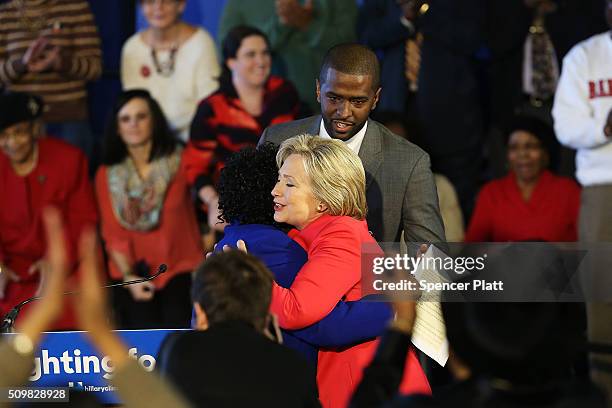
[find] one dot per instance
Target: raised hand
(91, 303)
(49, 307)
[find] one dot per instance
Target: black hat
(18, 107)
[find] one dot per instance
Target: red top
(176, 240)
(333, 273)
(550, 214)
(222, 126)
(60, 178)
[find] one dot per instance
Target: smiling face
(526, 156)
(17, 142)
(252, 63)
(162, 14)
(294, 201)
(346, 102)
(135, 123)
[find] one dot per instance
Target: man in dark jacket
(228, 361)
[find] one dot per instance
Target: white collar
(354, 143)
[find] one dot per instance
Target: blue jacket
(348, 323)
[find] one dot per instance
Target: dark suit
(470, 81)
(232, 365)
(379, 27)
(400, 188)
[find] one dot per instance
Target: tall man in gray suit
(400, 188)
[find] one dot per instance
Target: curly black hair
(245, 186)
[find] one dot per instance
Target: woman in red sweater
(147, 216)
(248, 100)
(321, 192)
(530, 203)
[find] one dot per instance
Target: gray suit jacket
(400, 188)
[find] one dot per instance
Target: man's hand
(6, 275)
(291, 13)
(405, 316)
(422, 250)
(608, 126)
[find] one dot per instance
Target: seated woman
(36, 172)
(246, 205)
(175, 61)
(147, 216)
(530, 203)
(321, 193)
(249, 100)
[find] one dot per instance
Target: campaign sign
(67, 359)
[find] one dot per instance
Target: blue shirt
(347, 324)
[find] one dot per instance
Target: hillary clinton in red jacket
(321, 192)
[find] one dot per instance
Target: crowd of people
(310, 130)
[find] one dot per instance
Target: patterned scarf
(137, 203)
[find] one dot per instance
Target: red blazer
(60, 178)
(333, 273)
(502, 215)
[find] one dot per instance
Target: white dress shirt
(354, 143)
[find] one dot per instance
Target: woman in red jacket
(530, 203)
(36, 172)
(321, 192)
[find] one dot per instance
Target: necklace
(165, 68)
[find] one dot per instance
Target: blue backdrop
(205, 13)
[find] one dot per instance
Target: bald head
(351, 59)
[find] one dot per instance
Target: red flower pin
(145, 71)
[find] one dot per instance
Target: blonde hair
(336, 174)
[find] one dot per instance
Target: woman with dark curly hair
(247, 206)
